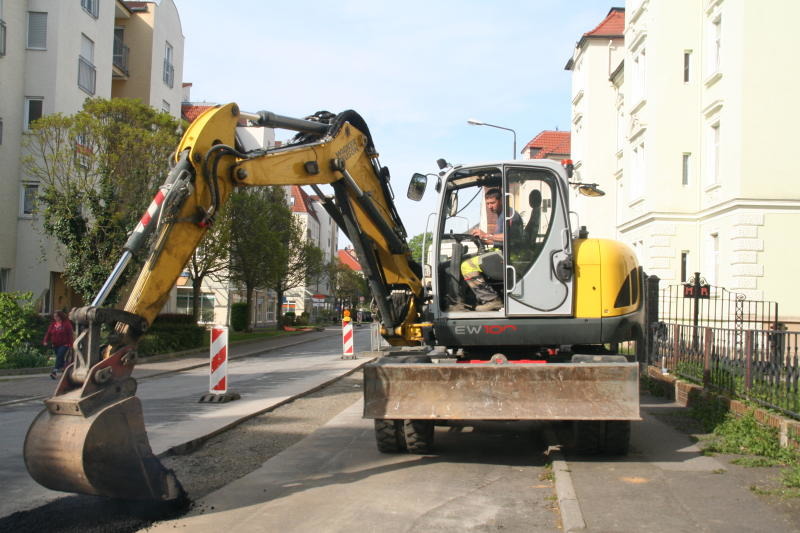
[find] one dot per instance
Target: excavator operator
(473, 268)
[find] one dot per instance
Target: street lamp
(476, 122)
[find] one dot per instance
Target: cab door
(538, 244)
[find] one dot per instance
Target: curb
(571, 514)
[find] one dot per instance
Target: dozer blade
(105, 453)
(451, 391)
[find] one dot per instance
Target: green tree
(212, 258)
(259, 254)
(303, 261)
(98, 170)
(346, 284)
(415, 244)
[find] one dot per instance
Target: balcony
(2, 38)
(120, 58)
(87, 75)
(169, 74)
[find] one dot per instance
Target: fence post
(651, 315)
(748, 354)
(708, 346)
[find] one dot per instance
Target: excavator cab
(526, 262)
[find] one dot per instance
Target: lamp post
(475, 122)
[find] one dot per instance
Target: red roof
(612, 26)
(302, 201)
(192, 111)
(348, 259)
(549, 143)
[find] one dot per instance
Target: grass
(548, 474)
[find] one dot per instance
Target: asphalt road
(172, 413)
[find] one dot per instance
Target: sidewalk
(16, 389)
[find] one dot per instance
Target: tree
(415, 244)
(98, 170)
(212, 258)
(259, 218)
(304, 262)
(346, 285)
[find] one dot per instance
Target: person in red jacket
(59, 335)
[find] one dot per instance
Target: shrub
(302, 320)
(239, 316)
(288, 318)
(20, 326)
(171, 333)
(26, 356)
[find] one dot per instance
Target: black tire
(618, 437)
(418, 435)
(389, 436)
(589, 436)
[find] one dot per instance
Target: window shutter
(37, 30)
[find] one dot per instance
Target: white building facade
(704, 118)
(56, 54)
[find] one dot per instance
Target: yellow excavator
(542, 351)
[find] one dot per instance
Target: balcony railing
(2, 37)
(120, 59)
(169, 74)
(87, 75)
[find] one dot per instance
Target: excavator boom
(90, 438)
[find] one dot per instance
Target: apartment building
(53, 55)
(320, 230)
(703, 115)
(593, 126)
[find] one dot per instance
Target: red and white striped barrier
(219, 360)
(347, 337)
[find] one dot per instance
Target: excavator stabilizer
(106, 453)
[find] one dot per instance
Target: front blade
(452, 391)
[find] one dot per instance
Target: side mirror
(416, 187)
(590, 189)
(452, 204)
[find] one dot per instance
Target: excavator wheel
(418, 435)
(609, 437)
(389, 435)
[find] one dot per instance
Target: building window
(4, 275)
(185, 300)
(712, 154)
(29, 193)
(2, 32)
(714, 46)
(684, 264)
(33, 110)
(639, 75)
(1, 131)
(164, 106)
(91, 6)
(87, 74)
(169, 69)
(687, 61)
(685, 169)
(639, 169)
(37, 30)
(121, 50)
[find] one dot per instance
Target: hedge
(171, 333)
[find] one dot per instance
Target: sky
(414, 70)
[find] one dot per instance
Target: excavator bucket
(94, 442)
(451, 391)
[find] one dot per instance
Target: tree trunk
(249, 290)
(279, 311)
(197, 284)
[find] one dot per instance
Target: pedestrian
(59, 336)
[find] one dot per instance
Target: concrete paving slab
(336, 480)
(665, 484)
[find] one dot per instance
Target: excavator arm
(90, 438)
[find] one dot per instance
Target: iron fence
(761, 365)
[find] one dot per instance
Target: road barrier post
(218, 370)
(347, 337)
